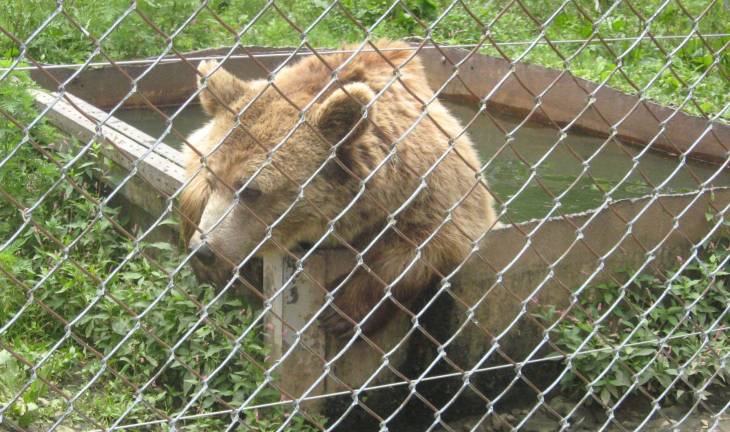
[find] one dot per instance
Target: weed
(654, 334)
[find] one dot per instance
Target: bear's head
(267, 169)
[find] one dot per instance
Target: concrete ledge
(158, 164)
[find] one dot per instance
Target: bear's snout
(203, 253)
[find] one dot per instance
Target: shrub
(669, 330)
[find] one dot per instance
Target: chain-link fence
(505, 215)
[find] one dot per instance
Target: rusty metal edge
(166, 84)
(566, 100)
(628, 118)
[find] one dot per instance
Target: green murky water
(508, 166)
(189, 119)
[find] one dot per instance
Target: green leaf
(130, 276)
(605, 397)
(161, 246)
(119, 326)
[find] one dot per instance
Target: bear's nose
(204, 254)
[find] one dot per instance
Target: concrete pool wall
(494, 287)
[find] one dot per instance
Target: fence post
(291, 309)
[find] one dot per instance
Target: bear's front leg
(396, 265)
(353, 301)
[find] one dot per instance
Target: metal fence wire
(347, 260)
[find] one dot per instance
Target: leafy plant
(666, 347)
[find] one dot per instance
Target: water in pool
(189, 119)
(508, 166)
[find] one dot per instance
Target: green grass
(67, 288)
(641, 68)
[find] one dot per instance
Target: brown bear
(337, 150)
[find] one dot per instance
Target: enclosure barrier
(501, 342)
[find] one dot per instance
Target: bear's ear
(219, 89)
(341, 119)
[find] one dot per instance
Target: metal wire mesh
(106, 328)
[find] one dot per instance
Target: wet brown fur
(267, 120)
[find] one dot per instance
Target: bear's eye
(251, 192)
(212, 182)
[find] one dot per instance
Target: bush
(678, 345)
